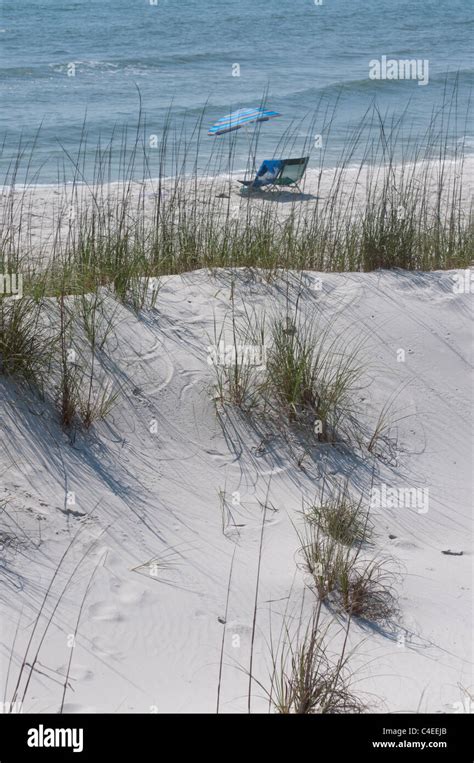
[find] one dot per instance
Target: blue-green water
(184, 53)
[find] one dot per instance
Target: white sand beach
(140, 497)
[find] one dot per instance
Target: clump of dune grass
(342, 519)
(84, 393)
(341, 516)
(291, 366)
(293, 371)
(26, 343)
(365, 592)
(303, 377)
(312, 375)
(326, 560)
(306, 680)
(345, 580)
(55, 346)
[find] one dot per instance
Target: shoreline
(466, 159)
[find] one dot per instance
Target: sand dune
(142, 488)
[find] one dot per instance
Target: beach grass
(345, 578)
(341, 516)
(387, 205)
(306, 679)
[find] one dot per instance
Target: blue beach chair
(278, 173)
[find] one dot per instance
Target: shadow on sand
(283, 197)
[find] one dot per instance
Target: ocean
(76, 69)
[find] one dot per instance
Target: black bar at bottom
(26, 737)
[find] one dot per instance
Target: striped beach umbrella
(241, 118)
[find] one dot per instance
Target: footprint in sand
(105, 612)
(77, 672)
(127, 593)
(102, 648)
